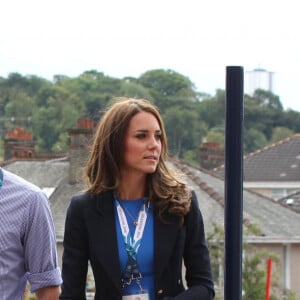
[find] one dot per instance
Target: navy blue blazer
(90, 234)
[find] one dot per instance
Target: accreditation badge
(139, 296)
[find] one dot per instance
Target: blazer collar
(165, 235)
(105, 234)
(105, 203)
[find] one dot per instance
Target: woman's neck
(131, 189)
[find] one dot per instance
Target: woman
(136, 221)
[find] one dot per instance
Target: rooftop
(277, 162)
(276, 222)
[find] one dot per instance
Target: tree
(165, 82)
(184, 130)
(254, 264)
(134, 90)
(215, 242)
(63, 106)
(280, 133)
(263, 112)
(254, 274)
(254, 139)
(212, 110)
(216, 137)
(267, 99)
(20, 106)
(189, 114)
(291, 120)
(168, 87)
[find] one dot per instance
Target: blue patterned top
(27, 239)
(145, 255)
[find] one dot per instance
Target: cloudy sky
(122, 38)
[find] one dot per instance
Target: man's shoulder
(14, 184)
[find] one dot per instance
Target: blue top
(145, 255)
(27, 239)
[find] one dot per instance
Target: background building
(259, 79)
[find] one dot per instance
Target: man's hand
(48, 293)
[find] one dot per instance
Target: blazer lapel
(106, 246)
(165, 235)
(105, 237)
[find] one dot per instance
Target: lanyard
(1, 178)
(131, 271)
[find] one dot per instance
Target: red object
(268, 283)
(85, 123)
(19, 133)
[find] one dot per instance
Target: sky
(120, 38)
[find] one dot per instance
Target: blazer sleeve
(196, 257)
(76, 253)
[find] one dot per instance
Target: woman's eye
(158, 136)
(141, 135)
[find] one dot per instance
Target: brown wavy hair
(102, 171)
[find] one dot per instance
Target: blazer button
(179, 282)
(160, 292)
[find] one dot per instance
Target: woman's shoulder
(194, 199)
(80, 197)
(86, 198)
(194, 211)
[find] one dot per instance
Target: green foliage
(254, 229)
(190, 156)
(289, 295)
(267, 99)
(134, 90)
(212, 110)
(291, 120)
(253, 140)
(49, 109)
(254, 270)
(255, 273)
(168, 88)
(280, 133)
(216, 136)
(28, 295)
(184, 129)
(215, 242)
(165, 82)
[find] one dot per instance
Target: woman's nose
(154, 142)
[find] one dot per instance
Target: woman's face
(142, 145)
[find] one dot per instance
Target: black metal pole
(233, 183)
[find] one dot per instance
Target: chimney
(80, 142)
(18, 144)
(211, 155)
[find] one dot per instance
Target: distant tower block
(259, 79)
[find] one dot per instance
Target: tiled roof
(276, 222)
(59, 203)
(45, 174)
(292, 200)
(277, 162)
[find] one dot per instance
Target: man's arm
(40, 248)
(48, 293)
